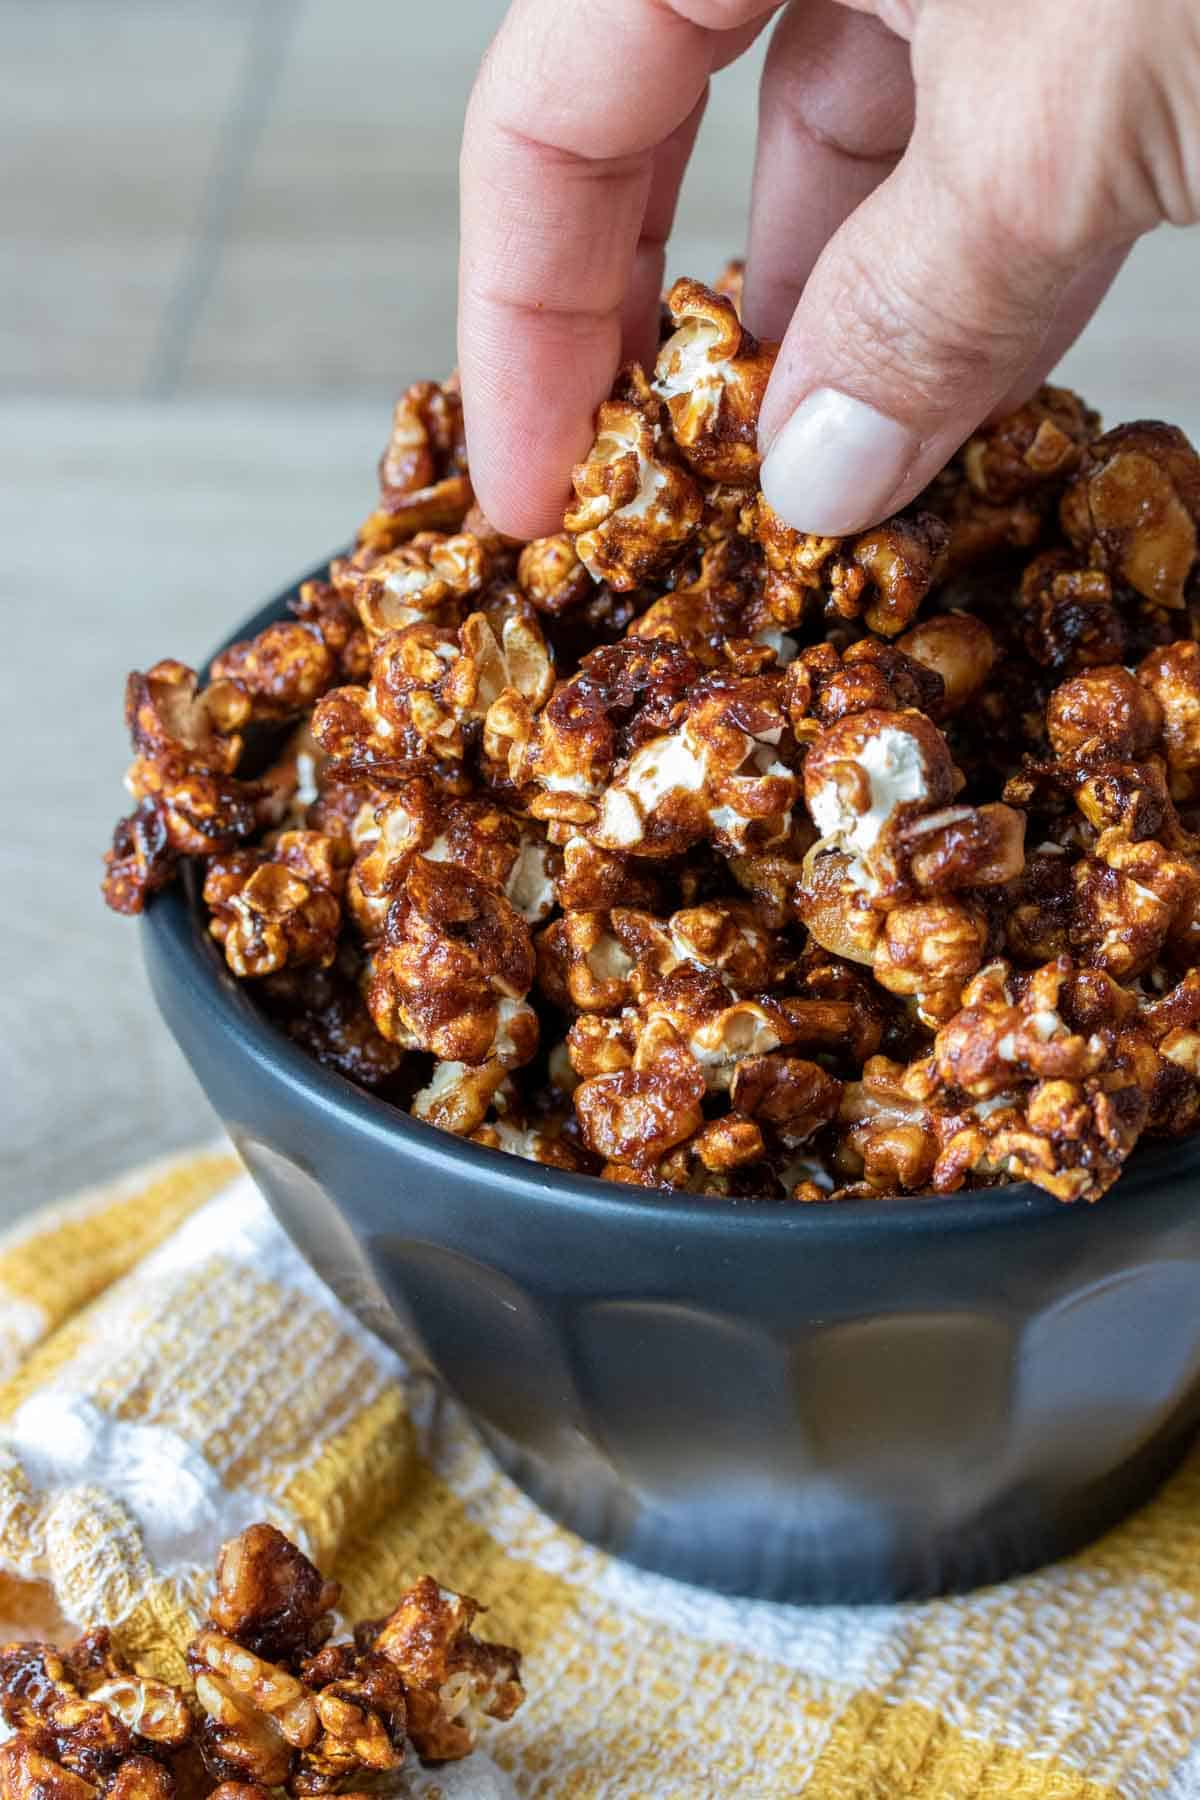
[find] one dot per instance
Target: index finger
(558, 156)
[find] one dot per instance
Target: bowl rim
(172, 920)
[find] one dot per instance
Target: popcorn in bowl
(692, 851)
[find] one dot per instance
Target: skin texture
(943, 192)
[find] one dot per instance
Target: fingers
(835, 114)
(1081, 297)
(964, 274)
(559, 167)
(921, 313)
(639, 310)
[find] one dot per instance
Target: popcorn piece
(551, 575)
(869, 774)
(423, 481)
(636, 507)
(171, 719)
(928, 952)
(1104, 710)
(458, 1095)
(281, 912)
(424, 579)
(825, 684)
(1129, 899)
(270, 1597)
(1172, 675)
(721, 775)
(431, 689)
(1134, 507)
(634, 1116)
(416, 820)
(703, 615)
(621, 696)
(790, 1093)
(283, 670)
(187, 744)
(1072, 621)
(600, 961)
(141, 860)
(452, 970)
(1040, 445)
(880, 577)
(329, 610)
(451, 1678)
(256, 1715)
(713, 374)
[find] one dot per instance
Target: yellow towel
(172, 1370)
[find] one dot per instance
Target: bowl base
(763, 1557)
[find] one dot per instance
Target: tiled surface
(228, 234)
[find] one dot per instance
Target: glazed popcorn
(276, 1702)
(689, 850)
(281, 1705)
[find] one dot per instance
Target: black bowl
(868, 1401)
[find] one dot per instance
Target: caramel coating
(423, 480)
(452, 969)
(280, 1706)
(1133, 509)
(636, 506)
(451, 1678)
(1105, 710)
(1037, 447)
(85, 1723)
(283, 670)
(680, 847)
(880, 577)
(713, 374)
(280, 912)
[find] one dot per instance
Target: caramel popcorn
(282, 1706)
(1134, 509)
(880, 577)
(636, 506)
(713, 374)
(687, 849)
(276, 1703)
(423, 480)
(279, 911)
(87, 1724)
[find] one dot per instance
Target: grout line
(271, 27)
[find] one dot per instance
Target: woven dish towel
(170, 1370)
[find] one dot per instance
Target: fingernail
(835, 465)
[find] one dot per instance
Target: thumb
(921, 314)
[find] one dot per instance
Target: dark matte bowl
(861, 1402)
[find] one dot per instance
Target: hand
(943, 192)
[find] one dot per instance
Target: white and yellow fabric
(173, 1370)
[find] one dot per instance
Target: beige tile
(127, 532)
(339, 273)
(109, 125)
(1140, 356)
(341, 266)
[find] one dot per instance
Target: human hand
(943, 192)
